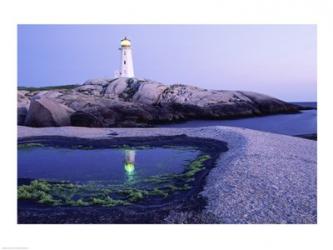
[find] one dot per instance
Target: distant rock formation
(127, 102)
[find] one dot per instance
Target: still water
(115, 166)
(301, 123)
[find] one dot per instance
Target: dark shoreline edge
(308, 136)
(226, 118)
(135, 214)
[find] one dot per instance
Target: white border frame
(163, 236)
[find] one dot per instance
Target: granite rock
(123, 102)
(45, 112)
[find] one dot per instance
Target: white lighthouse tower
(126, 66)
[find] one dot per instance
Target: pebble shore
(262, 178)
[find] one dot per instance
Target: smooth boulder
(45, 112)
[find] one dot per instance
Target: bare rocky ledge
(132, 102)
(262, 178)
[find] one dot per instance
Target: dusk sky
(278, 60)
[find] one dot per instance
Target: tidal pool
(59, 176)
(113, 166)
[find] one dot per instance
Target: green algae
(29, 145)
(82, 147)
(174, 188)
(78, 202)
(133, 194)
(196, 166)
(94, 193)
(38, 191)
(158, 192)
(108, 202)
(48, 193)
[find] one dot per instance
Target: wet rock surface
(131, 102)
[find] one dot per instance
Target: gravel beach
(262, 178)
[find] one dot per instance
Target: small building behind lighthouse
(126, 66)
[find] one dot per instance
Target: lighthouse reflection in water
(113, 166)
(129, 164)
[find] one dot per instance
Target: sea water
(301, 123)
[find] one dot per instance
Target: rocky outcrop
(124, 102)
(23, 103)
(44, 112)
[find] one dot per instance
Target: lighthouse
(126, 66)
